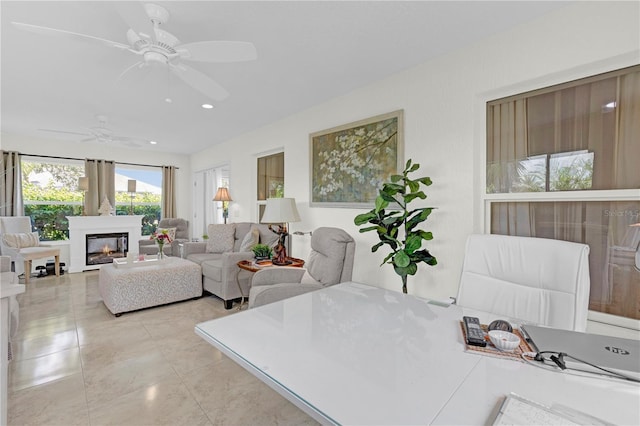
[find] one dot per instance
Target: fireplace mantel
(80, 226)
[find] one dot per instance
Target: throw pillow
(171, 232)
(250, 240)
(21, 240)
(221, 238)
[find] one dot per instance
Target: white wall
(58, 148)
(443, 101)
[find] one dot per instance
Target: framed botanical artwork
(349, 163)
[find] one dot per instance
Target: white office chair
(18, 227)
(536, 280)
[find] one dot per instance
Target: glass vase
(160, 251)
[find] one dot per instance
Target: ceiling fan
(102, 134)
(157, 46)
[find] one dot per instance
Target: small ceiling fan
(157, 46)
(102, 134)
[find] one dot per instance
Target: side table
(254, 266)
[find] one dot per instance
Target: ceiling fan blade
(134, 14)
(218, 51)
(132, 142)
(200, 82)
(65, 132)
(139, 64)
(69, 35)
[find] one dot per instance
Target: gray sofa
(219, 267)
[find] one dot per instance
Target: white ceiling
(308, 52)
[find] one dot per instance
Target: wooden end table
(253, 266)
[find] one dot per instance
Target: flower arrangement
(161, 238)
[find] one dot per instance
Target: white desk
(355, 354)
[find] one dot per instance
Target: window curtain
(101, 174)
(628, 143)
(168, 191)
(508, 144)
(10, 184)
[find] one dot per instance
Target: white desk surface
(356, 354)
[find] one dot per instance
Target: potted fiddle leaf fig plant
(397, 227)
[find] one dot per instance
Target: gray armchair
(330, 262)
(148, 246)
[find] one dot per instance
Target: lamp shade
(222, 195)
(280, 210)
(131, 185)
(83, 183)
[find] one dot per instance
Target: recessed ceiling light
(207, 106)
(168, 100)
(153, 142)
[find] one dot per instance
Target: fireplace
(103, 248)
(81, 226)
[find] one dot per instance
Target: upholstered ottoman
(125, 289)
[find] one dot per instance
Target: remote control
(475, 335)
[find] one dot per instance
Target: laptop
(613, 353)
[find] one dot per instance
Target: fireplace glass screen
(103, 248)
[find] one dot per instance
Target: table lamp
(280, 211)
(223, 195)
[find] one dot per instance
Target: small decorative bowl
(504, 340)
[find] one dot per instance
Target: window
(270, 179)
(562, 163)
(146, 200)
(50, 194)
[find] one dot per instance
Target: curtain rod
(82, 159)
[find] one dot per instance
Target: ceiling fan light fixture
(157, 57)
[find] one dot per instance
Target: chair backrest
(331, 258)
(12, 225)
(15, 224)
(537, 280)
(181, 225)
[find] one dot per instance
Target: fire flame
(106, 250)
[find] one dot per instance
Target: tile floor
(76, 364)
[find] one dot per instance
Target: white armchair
(538, 280)
(22, 245)
(330, 262)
